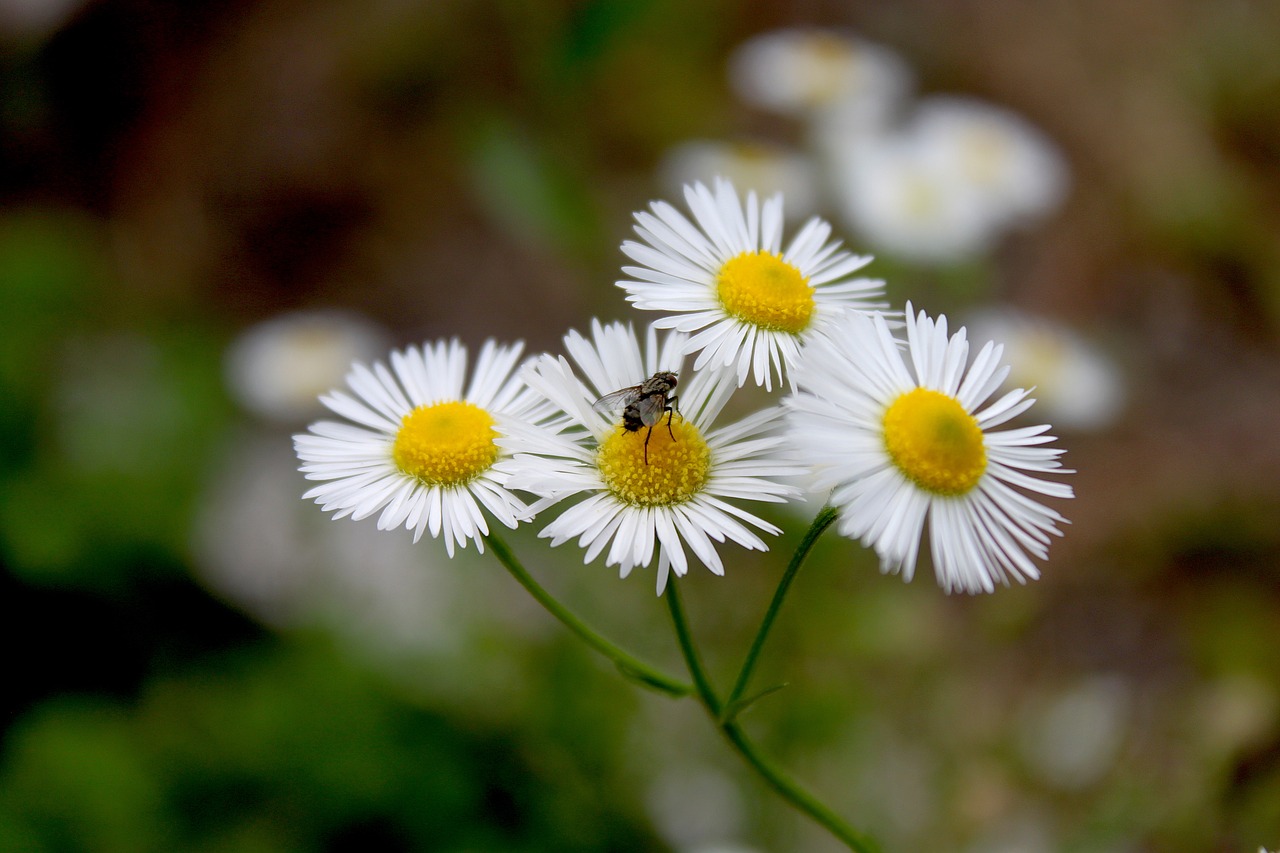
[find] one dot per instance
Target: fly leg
(672, 410)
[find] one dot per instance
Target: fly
(643, 405)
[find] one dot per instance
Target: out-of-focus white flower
(763, 167)
(1013, 166)
(273, 556)
(902, 200)
(1071, 739)
(805, 71)
(1075, 383)
(949, 183)
(402, 610)
(279, 368)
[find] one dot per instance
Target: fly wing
(651, 408)
(616, 400)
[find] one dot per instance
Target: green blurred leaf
(50, 267)
(525, 189)
(78, 781)
(121, 446)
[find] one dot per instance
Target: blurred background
(210, 208)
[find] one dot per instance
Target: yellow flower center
(679, 462)
(935, 442)
(762, 289)
(446, 444)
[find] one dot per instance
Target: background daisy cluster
(935, 178)
(205, 204)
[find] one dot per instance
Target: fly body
(643, 405)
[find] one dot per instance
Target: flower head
(278, 368)
(422, 448)
(801, 71)
(1078, 384)
(728, 279)
(667, 483)
(903, 199)
(950, 183)
(905, 438)
(1012, 165)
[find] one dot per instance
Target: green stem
(824, 519)
(706, 692)
(783, 784)
(630, 666)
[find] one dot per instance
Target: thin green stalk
(783, 784)
(706, 692)
(824, 519)
(791, 791)
(630, 666)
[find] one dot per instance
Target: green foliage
(288, 748)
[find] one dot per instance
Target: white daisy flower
(1015, 167)
(751, 304)
(902, 438)
(802, 71)
(949, 184)
(1078, 385)
(898, 194)
(278, 368)
(422, 449)
(667, 486)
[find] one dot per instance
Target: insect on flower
(642, 405)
